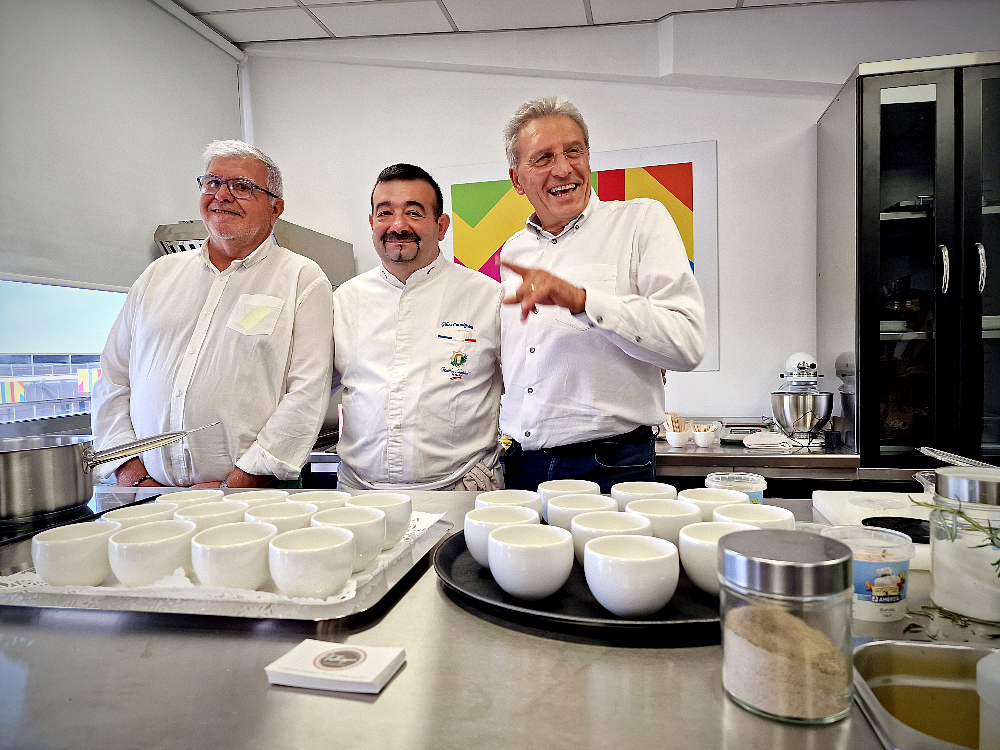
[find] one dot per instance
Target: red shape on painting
(611, 185)
(677, 178)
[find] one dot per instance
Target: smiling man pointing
(599, 297)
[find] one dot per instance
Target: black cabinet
(908, 289)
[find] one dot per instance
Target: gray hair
(241, 150)
(543, 106)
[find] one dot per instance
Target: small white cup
(397, 508)
(148, 552)
(233, 555)
(185, 498)
(322, 499)
(530, 561)
(708, 499)
(631, 576)
(133, 515)
(207, 515)
(562, 508)
(479, 522)
(699, 550)
(626, 492)
(284, 516)
(314, 562)
(704, 439)
(756, 514)
(667, 516)
(522, 498)
(678, 439)
(587, 526)
(253, 498)
(368, 526)
(74, 555)
(555, 487)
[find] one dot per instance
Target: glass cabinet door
(908, 265)
(981, 247)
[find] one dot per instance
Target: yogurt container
(752, 484)
(881, 570)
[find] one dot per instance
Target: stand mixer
(800, 409)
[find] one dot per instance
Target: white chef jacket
(248, 346)
(420, 368)
(572, 378)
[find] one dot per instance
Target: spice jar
(785, 601)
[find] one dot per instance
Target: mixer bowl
(801, 413)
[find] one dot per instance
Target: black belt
(640, 434)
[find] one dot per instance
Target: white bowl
(756, 514)
(479, 522)
(367, 525)
(561, 509)
(233, 555)
(587, 526)
(146, 553)
(523, 498)
(699, 550)
(678, 439)
(253, 498)
(667, 516)
(397, 508)
(708, 499)
(555, 487)
(207, 515)
(185, 498)
(74, 555)
(626, 492)
(322, 499)
(530, 561)
(314, 562)
(284, 516)
(705, 439)
(133, 515)
(631, 576)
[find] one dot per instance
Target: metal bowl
(801, 413)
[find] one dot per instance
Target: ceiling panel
(204, 6)
(264, 25)
(477, 15)
(381, 18)
(618, 11)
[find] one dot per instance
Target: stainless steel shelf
(907, 336)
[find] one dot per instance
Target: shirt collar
(251, 260)
(535, 226)
(419, 276)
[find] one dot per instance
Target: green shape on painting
(593, 182)
(473, 200)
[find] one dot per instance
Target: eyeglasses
(239, 187)
(547, 159)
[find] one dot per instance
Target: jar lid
(969, 484)
(785, 563)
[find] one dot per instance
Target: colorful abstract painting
(11, 391)
(85, 379)
(486, 214)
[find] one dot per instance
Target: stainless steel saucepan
(51, 473)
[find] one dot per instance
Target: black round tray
(690, 618)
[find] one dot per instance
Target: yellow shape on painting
(476, 245)
(641, 184)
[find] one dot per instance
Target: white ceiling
(282, 20)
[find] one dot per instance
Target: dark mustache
(400, 237)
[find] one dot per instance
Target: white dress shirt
(248, 346)
(420, 367)
(572, 378)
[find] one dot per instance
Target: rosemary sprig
(991, 532)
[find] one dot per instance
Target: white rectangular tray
(180, 595)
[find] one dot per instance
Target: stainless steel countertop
(93, 679)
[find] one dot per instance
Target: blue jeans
(608, 464)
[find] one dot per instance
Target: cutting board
(849, 508)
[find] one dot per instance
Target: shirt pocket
(593, 276)
(255, 314)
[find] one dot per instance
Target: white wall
(334, 113)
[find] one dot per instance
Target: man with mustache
(237, 332)
(417, 352)
(600, 297)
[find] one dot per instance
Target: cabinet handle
(982, 266)
(945, 269)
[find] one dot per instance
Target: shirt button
(638, 339)
(600, 319)
(178, 394)
(531, 390)
(532, 350)
(190, 351)
(527, 433)
(553, 240)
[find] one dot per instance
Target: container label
(880, 582)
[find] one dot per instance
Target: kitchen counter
(800, 463)
(94, 679)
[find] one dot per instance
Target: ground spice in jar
(779, 664)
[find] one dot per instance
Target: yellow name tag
(254, 317)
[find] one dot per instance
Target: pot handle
(92, 458)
